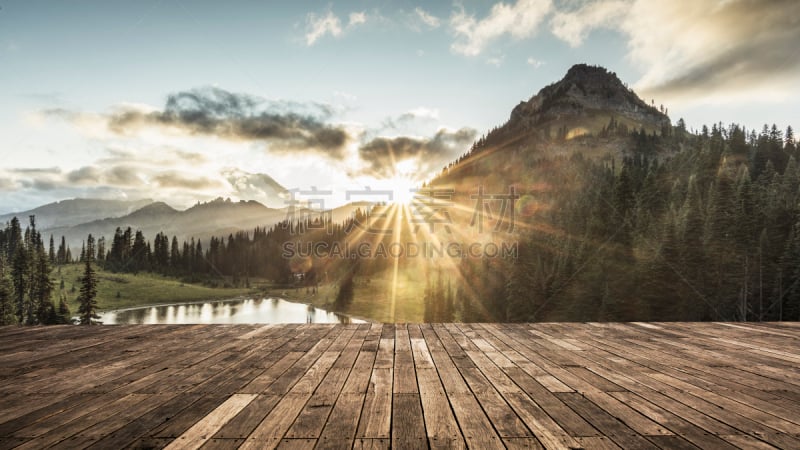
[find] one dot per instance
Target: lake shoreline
(280, 315)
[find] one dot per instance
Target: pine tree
(64, 315)
(6, 295)
(52, 252)
(42, 294)
(61, 255)
(87, 309)
(20, 277)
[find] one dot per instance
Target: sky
(184, 101)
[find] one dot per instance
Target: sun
(403, 184)
(403, 189)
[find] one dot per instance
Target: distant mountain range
(75, 219)
(66, 213)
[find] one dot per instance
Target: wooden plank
(206, 427)
(376, 416)
(312, 418)
(440, 423)
(67, 430)
(661, 416)
(260, 383)
(597, 442)
(136, 429)
(221, 444)
(187, 417)
(621, 434)
(296, 444)
(475, 426)
(342, 424)
(240, 426)
(523, 443)
(408, 427)
(277, 422)
(371, 444)
(553, 385)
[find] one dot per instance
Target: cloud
(701, 49)
(535, 63)
(357, 18)
(573, 26)
(254, 185)
(174, 179)
(319, 25)
(119, 176)
(419, 120)
(36, 170)
(692, 50)
(421, 18)
(181, 186)
(86, 174)
(285, 126)
(519, 20)
(382, 154)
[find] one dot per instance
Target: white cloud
(519, 20)
(426, 18)
(319, 26)
(535, 63)
(573, 26)
(430, 113)
(357, 18)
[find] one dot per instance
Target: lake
(268, 310)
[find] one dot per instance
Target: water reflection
(270, 310)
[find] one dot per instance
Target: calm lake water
(268, 310)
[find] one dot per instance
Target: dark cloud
(86, 174)
(121, 175)
(40, 184)
(755, 42)
(381, 154)
(173, 179)
(36, 170)
(287, 126)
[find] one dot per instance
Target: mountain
(584, 101)
(590, 112)
(589, 102)
(219, 217)
(66, 213)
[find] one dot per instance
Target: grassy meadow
(124, 290)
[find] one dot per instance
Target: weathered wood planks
(374, 386)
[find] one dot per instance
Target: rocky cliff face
(585, 92)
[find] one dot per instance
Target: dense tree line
(707, 230)
(26, 289)
(230, 260)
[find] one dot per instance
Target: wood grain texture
(482, 386)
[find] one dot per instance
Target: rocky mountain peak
(585, 91)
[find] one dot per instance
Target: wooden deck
(594, 386)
